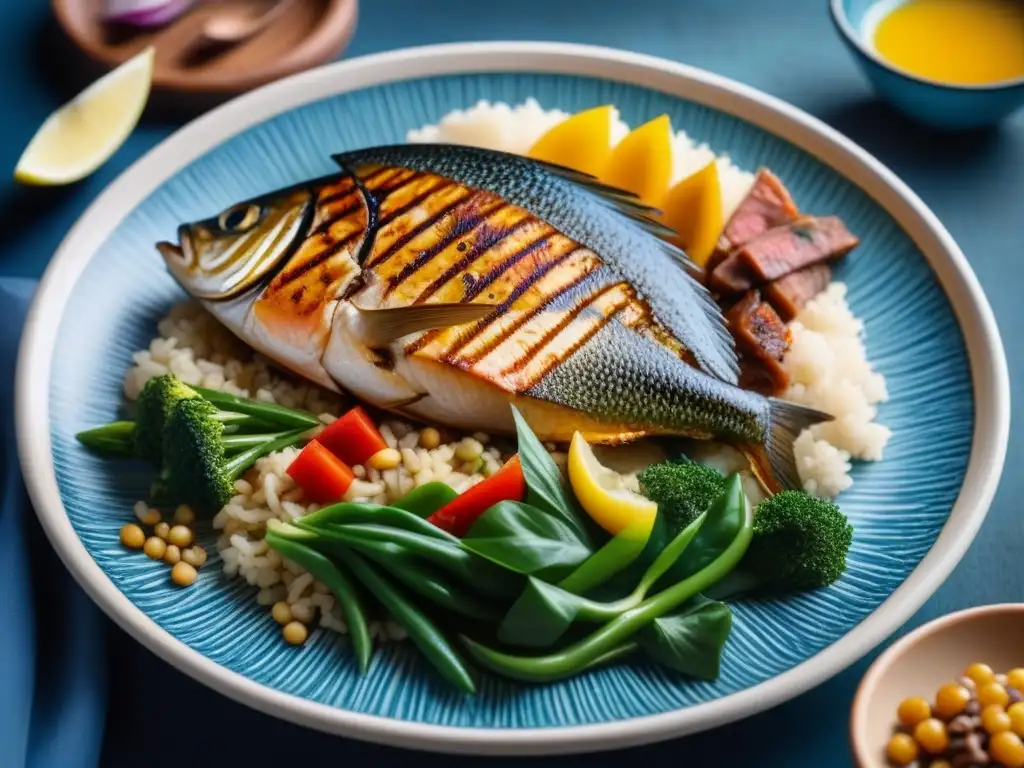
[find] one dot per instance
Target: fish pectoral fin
(380, 327)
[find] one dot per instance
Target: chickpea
(1007, 748)
(994, 719)
(950, 700)
(162, 530)
(981, 674)
(194, 556)
(183, 515)
(430, 438)
(172, 555)
(180, 536)
(993, 693)
(295, 633)
(386, 458)
(282, 613)
(1016, 713)
(132, 536)
(183, 574)
(912, 711)
(902, 749)
(931, 735)
(155, 547)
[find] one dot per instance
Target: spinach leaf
(691, 639)
(540, 616)
(545, 487)
(526, 540)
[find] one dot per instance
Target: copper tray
(305, 34)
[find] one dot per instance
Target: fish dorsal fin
(382, 326)
(609, 221)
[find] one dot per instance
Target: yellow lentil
(912, 711)
(1015, 678)
(183, 574)
(430, 438)
(981, 674)
(385, 458)
(295, 633)
(1016, 713)
(1007, 748)
(931, 735)
(993, 693)
(194, 556)
(180, 536)
(161, 530)
(282, 613)
(994, 719)
(183, 515)
(132, 536)
(155, 547)
(149, 516)
(902, 749)
(172, 555)
(950, 700)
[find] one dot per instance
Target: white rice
(827, 364)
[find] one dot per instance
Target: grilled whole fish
(444, 282)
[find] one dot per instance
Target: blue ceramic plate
(915, 512)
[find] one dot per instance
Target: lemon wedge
(601, 492)
(642, 162)
(80, 136)
(582, 142)
(693, 208)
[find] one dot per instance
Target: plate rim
(990, 381)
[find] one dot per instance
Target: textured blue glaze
(897, 506)
(934, 104)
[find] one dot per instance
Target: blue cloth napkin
(52, 637)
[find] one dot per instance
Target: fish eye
(239, 218)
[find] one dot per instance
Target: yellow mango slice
(642, 162)
(693, 208)
(582, 142)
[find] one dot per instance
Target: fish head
(222, 256)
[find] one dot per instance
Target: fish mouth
(177, 255)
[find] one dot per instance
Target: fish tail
(774, 463)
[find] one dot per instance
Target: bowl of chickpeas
(948, 695)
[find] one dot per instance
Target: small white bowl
(921, 662)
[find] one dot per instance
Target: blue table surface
(784, 47)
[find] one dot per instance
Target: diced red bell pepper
(458, 515)
(322, 476)
(353, 438)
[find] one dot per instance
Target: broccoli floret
(201, 462)
(683, 490)
(799, 542)
(153, 409)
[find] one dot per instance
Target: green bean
(116, 438)
(330, 574)
(422, 631)
(351, 512)
(475, 571)
(580, 655)
(271, 412)
(426, 582)
(238, 465)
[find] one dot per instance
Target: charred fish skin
(608, 222)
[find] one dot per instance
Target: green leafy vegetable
(616, 554)
(546, 488)
(689, 640)
(611, 636)
(365, 513)
(526, 540)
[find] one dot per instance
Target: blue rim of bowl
(989, 376)
(845, 28)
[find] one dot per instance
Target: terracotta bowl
(307, 34)
(925, 659)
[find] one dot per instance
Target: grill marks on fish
(323, 262)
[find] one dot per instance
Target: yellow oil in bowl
(961, 42)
